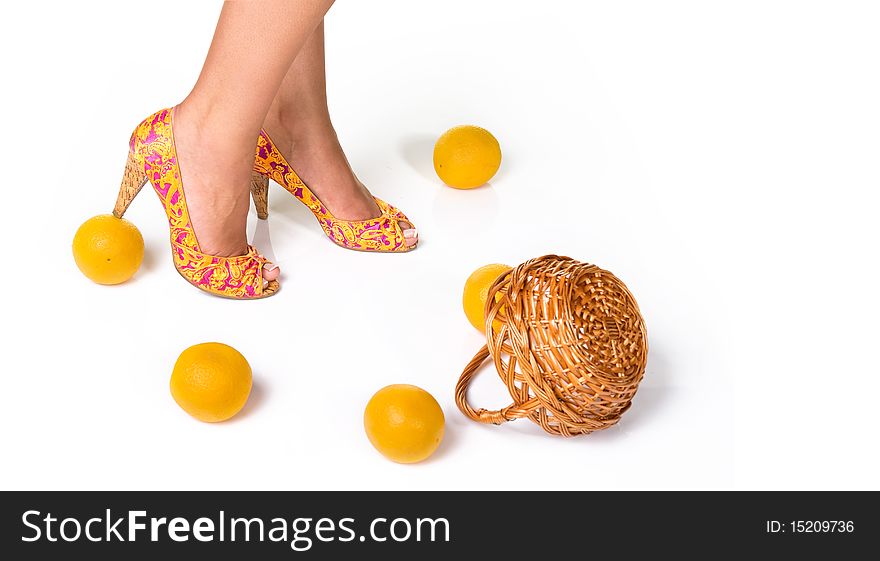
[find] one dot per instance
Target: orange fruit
(466, 156)
(405, 423)
(211, 381)
(108, 250)
(476, 291)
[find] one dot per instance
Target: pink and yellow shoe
(152, 157)
(382, 234)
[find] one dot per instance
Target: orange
(211, 381)
(466, 156)
(108, 250)
(476, 291)
(405, 423)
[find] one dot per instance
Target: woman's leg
(217, 125)
(299, 123)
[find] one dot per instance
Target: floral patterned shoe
(152, 157)
(381, 234)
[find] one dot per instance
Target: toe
(410, 234)
(271, 271)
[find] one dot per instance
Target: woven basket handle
(496, 417)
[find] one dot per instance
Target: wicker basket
(568, 340)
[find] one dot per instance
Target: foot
(215, 181)
(314, 150)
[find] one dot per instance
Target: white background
(719, 157)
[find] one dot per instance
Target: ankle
(299, 127)
(208, 127)
(200, 135)
(195, 117)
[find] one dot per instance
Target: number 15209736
(810, 527)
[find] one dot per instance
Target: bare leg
(299, 123)
(217, 125)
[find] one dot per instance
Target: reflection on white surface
(417, 151)
(465, 212)
(261, 240)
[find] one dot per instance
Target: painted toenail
(270, 266)
(410, 233)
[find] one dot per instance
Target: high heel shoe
(153, 157)
(382, 234)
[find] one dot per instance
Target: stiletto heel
(133, 179)
(153, 158)
(260, 194)
(380, 234)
